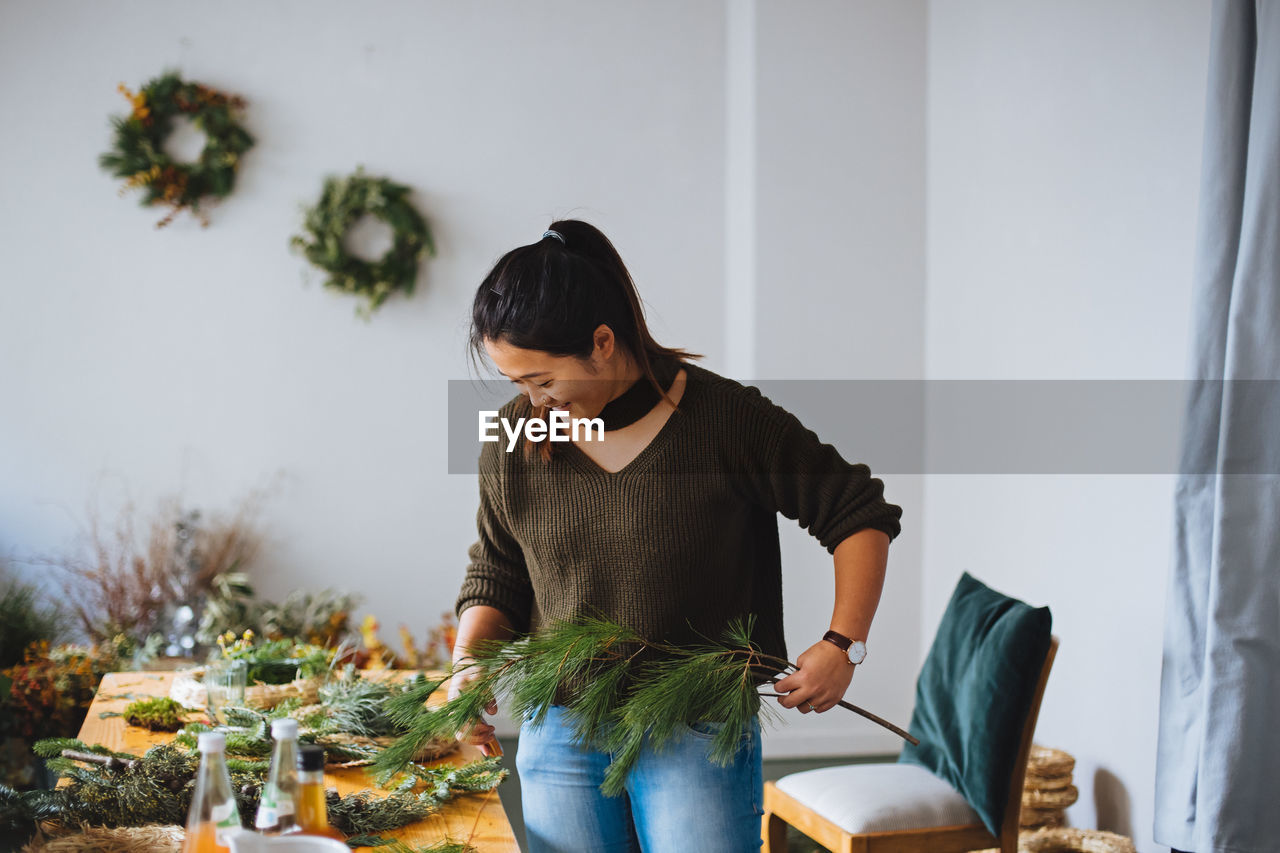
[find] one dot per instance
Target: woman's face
(581, 387)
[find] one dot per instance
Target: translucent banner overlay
(993, 426)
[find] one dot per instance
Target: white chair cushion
(863, 798)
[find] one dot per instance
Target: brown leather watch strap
(839, 640)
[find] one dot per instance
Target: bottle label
(274, 805)
(225, 816)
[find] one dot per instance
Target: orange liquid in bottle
(313, 817)
(204, 840)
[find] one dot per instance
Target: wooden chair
(936, 797)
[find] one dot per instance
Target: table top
(476, 818)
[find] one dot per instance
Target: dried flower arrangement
(116, 584)
(436, 655)
(316, 618)
(47, 695)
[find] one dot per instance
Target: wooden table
(476, 818)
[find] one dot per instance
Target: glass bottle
(277, 810)
(213, 806)
(313, 814)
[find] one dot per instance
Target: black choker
(639, 400)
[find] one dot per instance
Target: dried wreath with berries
(137, 153)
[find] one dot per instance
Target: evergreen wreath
(137, 153)
(342, 202)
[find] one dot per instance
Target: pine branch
(624, 693)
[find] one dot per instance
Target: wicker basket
(1047, 789)
(1074, 841)
(135, 839)
(435, 748)
(188, 689)
(1036, 818)
(1047, 763)
(1069, 841)
(1048, 783)
(1055, 798)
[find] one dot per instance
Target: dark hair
(552, 295)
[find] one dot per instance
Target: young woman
(667, 525)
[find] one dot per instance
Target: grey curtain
(1218, 758)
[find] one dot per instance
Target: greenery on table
(342, 202)
(358, 706)
(157, 714)
(348, 706)
(275, 661)
(137, 150)
(112, 789)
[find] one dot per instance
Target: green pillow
(974, 693)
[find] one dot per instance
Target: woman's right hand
(477, 623)
(480, 733)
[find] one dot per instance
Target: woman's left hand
(822, 676)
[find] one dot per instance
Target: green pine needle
(619, 691)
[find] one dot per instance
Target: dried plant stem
(108, 761)
(863, 712)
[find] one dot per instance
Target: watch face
(857, 651)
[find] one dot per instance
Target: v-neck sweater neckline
(667, 433)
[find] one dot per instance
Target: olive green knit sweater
(681, 540)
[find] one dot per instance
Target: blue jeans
(676, 800)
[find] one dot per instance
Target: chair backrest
(1013, 808)
(977, 697)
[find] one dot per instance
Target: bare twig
(108, 761)
(880, 721)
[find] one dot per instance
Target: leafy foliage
(316, 618)
(137, 151)
(49, 693)
(275, 661)
(342, 202)
(24, 619)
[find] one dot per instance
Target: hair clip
(556, 234)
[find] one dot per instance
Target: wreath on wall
(342, 202)
(137, 153)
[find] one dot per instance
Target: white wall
(840, 278)
(1063, 166)
(140, 363)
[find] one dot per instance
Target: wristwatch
(856, 649)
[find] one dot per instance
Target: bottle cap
(310, 757)
(212, 742)
(284, 728)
